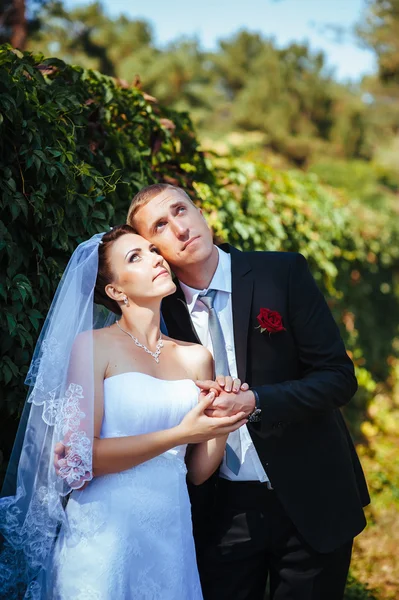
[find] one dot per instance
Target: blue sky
(285, 20)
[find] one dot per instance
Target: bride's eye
(155, 249)
(133, 257)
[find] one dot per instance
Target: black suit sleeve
(328, 379)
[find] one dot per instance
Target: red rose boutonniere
(270, 320)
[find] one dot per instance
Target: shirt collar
(221, 281)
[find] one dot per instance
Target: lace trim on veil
(76, 467)
(65, 415)
(30, 539)
(61, 402)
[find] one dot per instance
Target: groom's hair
(148, 193)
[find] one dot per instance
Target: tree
(380, 31)
(88, 37)
(124, 48)
(17, 18)
(287, 95)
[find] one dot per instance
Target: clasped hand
(231, 396)
(223, 407)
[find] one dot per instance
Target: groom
(287, 500)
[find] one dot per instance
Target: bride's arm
(112, 455)
(203, 459)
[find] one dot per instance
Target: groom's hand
(228, 402)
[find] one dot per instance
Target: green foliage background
(248, 83)
(76, 145)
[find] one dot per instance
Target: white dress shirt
(251, 468)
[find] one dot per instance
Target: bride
(114, 520)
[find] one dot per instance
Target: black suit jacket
(302, 376)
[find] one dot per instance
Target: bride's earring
(126, 301)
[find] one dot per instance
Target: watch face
(255, 416)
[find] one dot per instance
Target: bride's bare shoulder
(100, 339)
(106, 337)
(194, 356)
(98, 335)
(100, 343)
(180, 346)
(177, 343)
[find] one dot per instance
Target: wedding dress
(129, 535)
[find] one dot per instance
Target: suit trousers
(253, 539)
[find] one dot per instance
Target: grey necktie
(233, 447)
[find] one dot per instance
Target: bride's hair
(105, 274)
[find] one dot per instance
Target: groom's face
(176, 227)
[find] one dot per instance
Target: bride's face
(140, 272)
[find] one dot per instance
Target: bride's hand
(197, 427)
(223, 383)
(59, 453)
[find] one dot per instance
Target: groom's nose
(180, 229)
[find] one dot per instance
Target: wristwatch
(257, 412)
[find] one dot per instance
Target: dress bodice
(136, 403)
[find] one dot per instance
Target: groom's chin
(198, 253)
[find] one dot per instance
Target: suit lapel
(242, 291)
(177, 317)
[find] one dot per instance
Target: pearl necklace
(155, 355)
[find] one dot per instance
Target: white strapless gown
(130, 533)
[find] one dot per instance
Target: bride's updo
(105, 274)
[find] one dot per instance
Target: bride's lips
(190, 240)
(162, 272)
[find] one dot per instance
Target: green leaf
(35, 322)
(15, 210)
(11, 322)
(3, 292)
(41, 155)
(7, 374)
(22, 203)
(11, 184)
(51, 171)
(12, 366)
